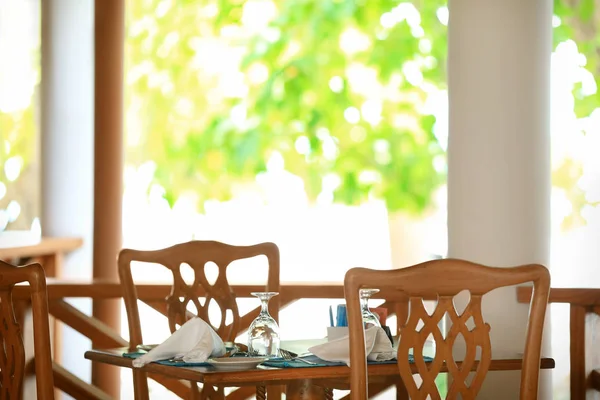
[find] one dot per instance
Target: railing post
(577, 328)
(108, 166)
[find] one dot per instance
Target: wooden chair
(445, 279)
(12, 360)
(196, 254)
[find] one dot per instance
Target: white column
(67, 126)
(499, 153)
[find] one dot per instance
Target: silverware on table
(289, 356)
(146, 347)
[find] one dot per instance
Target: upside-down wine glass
(263, 334)
(367, 316)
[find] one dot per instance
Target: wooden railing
(50, 252)
(585, 337)
(154, 295)
(584, 319)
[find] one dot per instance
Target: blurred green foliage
(300, 93)
(348, 114)
(295, 87)
(211, 118)
(17, 131)
(18, 144)
(19, 113)
(580, 22)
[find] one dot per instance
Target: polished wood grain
(46, 246)
(584, 325)
(82, 323)
(445, 279)
(182, 293)
(154, 295)
(12, 356)
(267, 375)
(49, 253)
(582, 296)
(75, 387)
(158, 291)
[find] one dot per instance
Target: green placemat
(281, 363)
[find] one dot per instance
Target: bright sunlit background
(198, 75)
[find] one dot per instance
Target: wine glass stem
(364, 304)
(264, 304)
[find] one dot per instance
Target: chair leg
(401, 393)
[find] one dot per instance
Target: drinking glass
(367, 316)
(263, 335)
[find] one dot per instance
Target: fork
(288, 356)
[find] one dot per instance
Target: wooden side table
(49, 252)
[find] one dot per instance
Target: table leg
(261, 393)
(274, 392)
(305, 390)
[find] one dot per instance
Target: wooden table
(49, 252)
(302, 383)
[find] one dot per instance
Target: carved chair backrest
(196, 254)
(12, 352)
(445, 279)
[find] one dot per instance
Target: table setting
(196, 344)
(195, 353)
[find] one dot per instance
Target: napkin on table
(194, 342)
(377, 346)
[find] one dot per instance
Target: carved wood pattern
(328, 393)
(12, 351)
(261, 393)
(443, 279)
(221, 293)
(196, 254)
(414, 338)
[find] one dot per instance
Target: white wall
(499, 153)
(67, 145)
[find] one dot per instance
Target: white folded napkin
(194, 342)
(377, 345)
